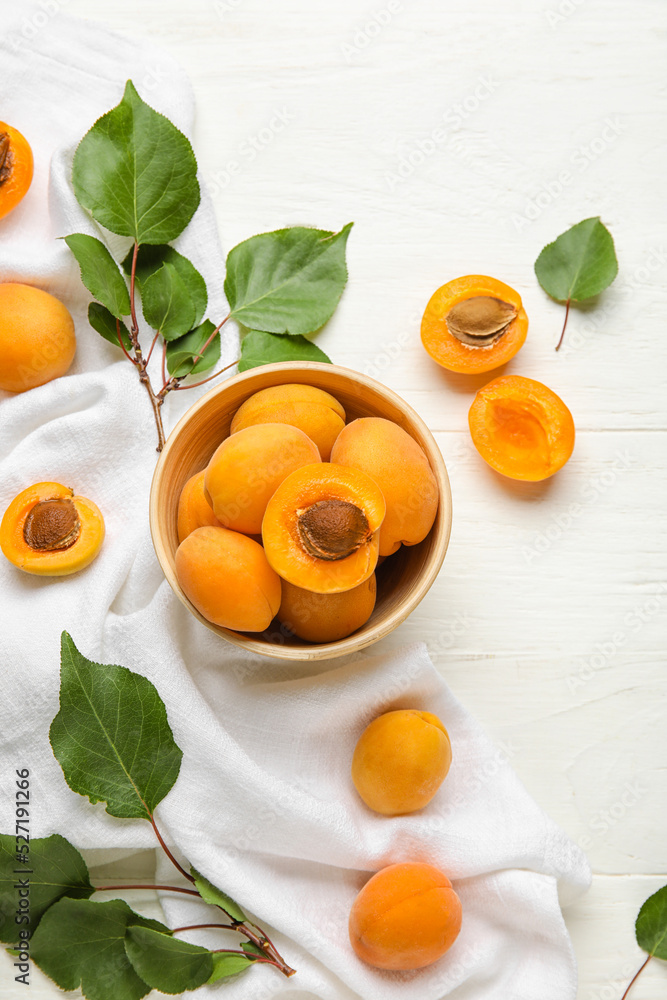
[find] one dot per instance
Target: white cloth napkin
(264, 804)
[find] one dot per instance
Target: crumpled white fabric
(264, 804)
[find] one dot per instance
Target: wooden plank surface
(548, 619)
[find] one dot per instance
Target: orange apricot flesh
(443, 315)
(400, 761)
(521, 428)
(394, 460)
(227, 577)
(48, 531)
(312, 410)
(247, 468)
(37, 341)
(405, 917)
(194, 510)
(321, 528)
(16, 168)
(326, 617)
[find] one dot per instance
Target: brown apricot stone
(48, 531)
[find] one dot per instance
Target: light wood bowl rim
(368, 634)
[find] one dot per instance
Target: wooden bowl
(403, 579)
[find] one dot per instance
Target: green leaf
(266, 348)
(100, 273)
(111, 736)
(54, 868)
(151, 258)
(136, 173)
(102, 320)
(252, 949)
(228, 965)
(82, 943)
(216, 897)
(581, 263)
(182, 352)
(165, 963)
(288, 281)
(651, 925)
(167, 303)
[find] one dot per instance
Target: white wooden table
(548, 616)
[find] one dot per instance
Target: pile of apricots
(520, 427)
(293, 512)
(407, 915)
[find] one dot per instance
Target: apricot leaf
(107, 325)
(150, 258)
(287, 281)
(229, 965)
(166, 963)
(136, 172)
(182, 352)
(167, 303)
(579, 264)
(80, 942)
(216, 897)
(111, 736)
(266, 348)
(56, 869)
(100, 273)
(651, 924)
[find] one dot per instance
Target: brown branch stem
(193, 385)
(122, 345)
(140, 361)
(636, 976)
(562, 333)
(196, 927)
(171, 857)
(163, 888)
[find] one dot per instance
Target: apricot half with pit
(321, 527)
(521, 428)
(474, 324)
(16, 168)
(48, 531)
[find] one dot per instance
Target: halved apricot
(312, 410)
(521, 428)
(474, 324)
(247, 468)
(321, 528)
(16, 168)
(194, 510)
(48, 531)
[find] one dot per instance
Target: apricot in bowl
(405, 917)
(402, 580)
(48, 531)
(521, 428)
(474, 324)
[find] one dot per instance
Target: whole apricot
(228, 579)
(48, 531)
(16, 168)
(387, 453)
(194, 510)
(321, 528)
(400, 761)
(474, 324)
(326, 617)
(521, 428)
(37, 341)
(314, 411)
(247, 468)
(405, 917)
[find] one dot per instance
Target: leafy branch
(130, 765)
(136, 174)
(651, 932)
